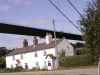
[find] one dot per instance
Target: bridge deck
(14, 29)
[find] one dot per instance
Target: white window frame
(37, 64)
(21, 56)
(36, 55)
(44, 53)
(13, 57)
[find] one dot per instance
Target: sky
(39, 14)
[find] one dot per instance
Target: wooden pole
(56, 45)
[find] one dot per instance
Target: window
(16, 65)
(49, 63)
(11, 66)
(13, 57)
(44, 53)
(37, 64)
(21, 56)
(36, 54)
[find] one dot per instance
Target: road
(75, 71)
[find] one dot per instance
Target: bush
(16, 69)
(74, 61)
(81, 51)
(7, 70)
(35, 69)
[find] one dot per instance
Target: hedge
(74, 61)
(81, 51)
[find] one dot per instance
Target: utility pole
(56, 45)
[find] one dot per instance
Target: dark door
(26, 66)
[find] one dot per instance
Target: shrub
(74, 61)
(35, 69)
(81, 51)
(17, 69)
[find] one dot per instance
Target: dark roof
(31, 48)
(51, 56)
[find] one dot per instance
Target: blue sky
(38, 13)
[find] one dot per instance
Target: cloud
(4, 7)
(26, 2)
(11, 41)
(26, 22)
(15, 1)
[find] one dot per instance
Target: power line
(64, 15)
(74, 8)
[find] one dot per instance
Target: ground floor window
(16, 65)
(11, 66)
(37, 64)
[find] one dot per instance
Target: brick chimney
(35, 41)
(48, 38)
(25, 43)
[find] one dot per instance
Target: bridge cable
(64, 15)
(75, 8)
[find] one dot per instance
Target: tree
(90, 26)
(78, 45)
(2, 62)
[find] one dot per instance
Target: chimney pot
(35, 41)
(25, 43)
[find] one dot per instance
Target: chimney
(25, 43)
(35, 41)
(48, 38)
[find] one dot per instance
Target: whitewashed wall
(29, 58)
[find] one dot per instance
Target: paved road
(76, 71)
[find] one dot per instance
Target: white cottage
(41, 55)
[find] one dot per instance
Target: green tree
(90, 25)
(2, 62)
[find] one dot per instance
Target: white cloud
(26, 2)
(15, 1)
(4, 7)
(26, 22)
(11, 41)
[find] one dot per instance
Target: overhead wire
(64, 15)
(75, 8)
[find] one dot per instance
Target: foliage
(2, 62)
(16, 69)
(74, 61)
(90, 25)
(3, 52)
(83, 50)
(62, 53)
(78, 45)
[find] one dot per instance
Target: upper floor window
(21, 56)
(13, 57)
(44, 53)
(36, 54)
